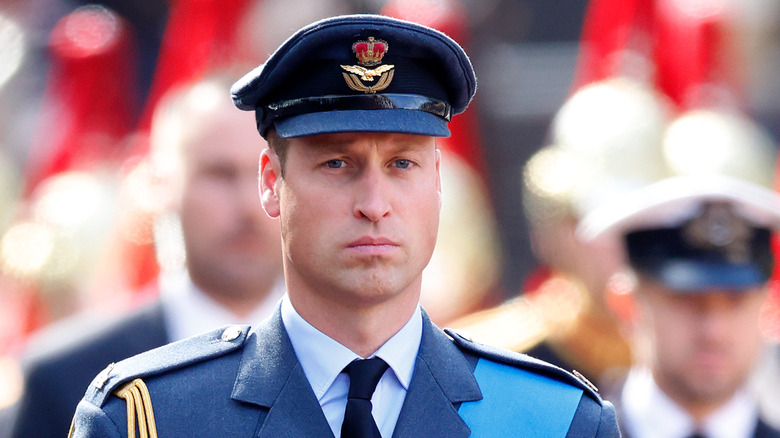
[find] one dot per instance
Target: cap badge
(718, 228)
(369, 53)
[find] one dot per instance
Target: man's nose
(371, 197)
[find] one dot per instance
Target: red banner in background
(90, 95)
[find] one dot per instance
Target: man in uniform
(206, 175)
(698, 246)
(351, 107)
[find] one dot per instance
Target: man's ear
(270, 171)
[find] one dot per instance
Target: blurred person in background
(699, 256)
(204, 167)
(604, 141)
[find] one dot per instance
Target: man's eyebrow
(327, 148)
(342, 144)
(331, 142)
(410, 146)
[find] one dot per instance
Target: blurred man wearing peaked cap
(351, 107)
(698, 245)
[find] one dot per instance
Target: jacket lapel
(271, 376)
(442, 378)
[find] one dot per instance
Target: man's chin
(711, 389)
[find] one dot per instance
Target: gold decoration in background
(558, 313)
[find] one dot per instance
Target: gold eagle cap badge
(369, 54)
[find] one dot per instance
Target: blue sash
(519, 403)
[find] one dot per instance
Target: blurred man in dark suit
(203, 164)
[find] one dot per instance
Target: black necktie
(696, 435)
(363, 377)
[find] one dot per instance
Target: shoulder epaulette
(521, 360)
(165, 359)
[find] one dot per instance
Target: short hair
(279, 146)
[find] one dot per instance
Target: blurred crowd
(83, 227)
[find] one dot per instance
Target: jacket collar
(270, 376)
(442, 378)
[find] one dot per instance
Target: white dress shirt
(188, 311)
(323, 359)
(649, 413)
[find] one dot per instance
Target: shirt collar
(400, 351)
(189, 311)
(323, 358)
(737, 418)
(648, 412)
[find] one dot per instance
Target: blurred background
(79, 79)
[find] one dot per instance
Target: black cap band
(351, 103)
(668, 256)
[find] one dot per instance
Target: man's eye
(402, 164)
(335, 164)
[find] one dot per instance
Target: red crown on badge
(370, 52)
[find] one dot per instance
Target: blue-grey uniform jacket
(238, 382)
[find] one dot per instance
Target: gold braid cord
(139, 405)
